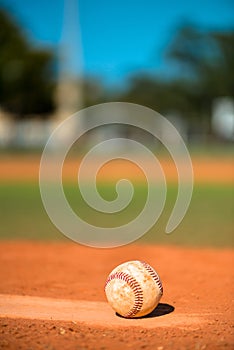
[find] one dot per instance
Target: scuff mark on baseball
(133, 289)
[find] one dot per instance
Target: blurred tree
(205, 66)
(145, 90)
(93, 91)
(157, 94)
(26, 74)
(200, 67)
(205, 58)
(218, 78)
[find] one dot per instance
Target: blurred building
(223, 117)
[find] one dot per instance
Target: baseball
(133, 289)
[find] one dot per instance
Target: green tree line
(26, 74)
(200, 66)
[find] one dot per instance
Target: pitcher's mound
(89, 312)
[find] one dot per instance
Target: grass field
(209, 221)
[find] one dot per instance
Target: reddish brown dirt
(197, 283)
(206, 170)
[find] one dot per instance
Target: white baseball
(133, 289)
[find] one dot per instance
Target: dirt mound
(52, 297)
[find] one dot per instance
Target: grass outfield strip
(209, 221)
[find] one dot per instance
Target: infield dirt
(206, 170)
(41, 283)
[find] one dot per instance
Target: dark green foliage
(26, 86)
(201, 68)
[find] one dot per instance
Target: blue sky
(118, 37)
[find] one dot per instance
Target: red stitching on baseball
(154, 275)
(136, 288)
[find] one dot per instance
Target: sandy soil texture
(52, 297)
(206, 170)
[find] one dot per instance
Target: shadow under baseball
(161, 310)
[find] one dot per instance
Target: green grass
(209, 221)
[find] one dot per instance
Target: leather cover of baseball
(133, 289)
